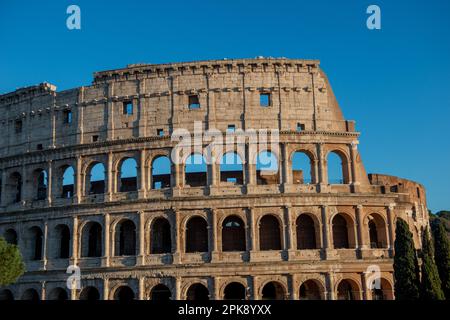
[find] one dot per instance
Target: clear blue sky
(394, 82)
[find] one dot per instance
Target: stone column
(322, 168)
(75, 237)
(366, 294)
(110, 177)
(142, 288)
(79, 190)
(4, 188)
(353, 152)
(391, 227)
(361, 244)
(105, 289)
(289, 229)
(46, 245)
(141, 258)
(287, 174)
(178, 288)
(107, 241)
(142, 176)
(50, 178)
(325, 228)
(213, 236)
(329, 280)
(176, 236)
(252, 243)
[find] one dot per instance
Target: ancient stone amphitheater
(165, 230)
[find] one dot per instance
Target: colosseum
(88, 180)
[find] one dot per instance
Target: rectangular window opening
(231, 128)
(194, 102)
(127, 108)
(39, 146)
(300, 127)
(67, 116)
(160, 132)
(264, 99)
(18, 126)
(95, 138)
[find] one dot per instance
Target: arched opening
(161, 241)
(197, 292)
(309, 290)
(273, 291)
(15, 187)
(160, 292)
(302, 168)
(89, 293)
(125, 238)
(306, 233)
(36, 243)
(233, 234)
(196, 235)
(336, 168)
(92, 240)
(161, 170)
(269, 233)
(58, 294)
(6, 295)
(128, 175)
(124, 293)
(231, 169)
(10, 236)
(234, 291)
(96, 179)
(41, 178)
(383, 291)
(62, 241)
(377, 231)
(195, 171)
(347, 290)
(340, 232)
(68, 183)
(30, 294)
(267, 168)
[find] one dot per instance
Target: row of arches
(195, 174)
(233, 236)
(347, 289)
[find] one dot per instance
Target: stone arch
(231, 168)
(270, 233)
(14, 188)
(68, 181)
(267, 168)
(125, 238)
(30, 294)
(10, 236)
(161, 170)
(235, 291)
(35, 243)
(273, 290)
(307, 231)
(233, 234)
(348, 289)
(124, 293)
(61, 242)
(160, 292)
(160, 236)
(89, 293)
(343, 231)
(302, 167)
(197, 292)
(312, 289)
(58, 294)
(6, 295)
(384, 292)
(127, 175)
(96, 178)
(196, 234)
(195, 170)
(91, 240)
(376, 231)
(337, 167)
(40, 183)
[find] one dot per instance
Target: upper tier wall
(228, 91)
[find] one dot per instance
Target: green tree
(406, 285)
(442, 256)
(11, 264)
(430, 286)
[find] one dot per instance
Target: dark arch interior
(309, 290)
(36, 243)
(124, 293)
(196, 235)
(126, 237)
(234, 291)
(273, 291)
(89, 293)
(345, 291)
(306, 233)
(340, 232)
(6, 295)
(11, 236)
(198, 292)
(233, 234)
(373, 235)
(30, 294)
(94, 238)
(161, 293)
(269, 233)
(64, 241)
(58, 294)
(161, 241)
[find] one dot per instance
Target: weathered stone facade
(131, 234)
